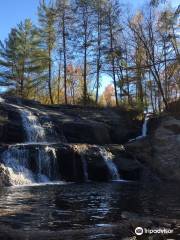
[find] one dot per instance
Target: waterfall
(34, 131)
(16, 162)
(144, 129)
(47, 165)
(107, 156)
(34, 161)
(17, 159)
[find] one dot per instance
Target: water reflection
(82, 206)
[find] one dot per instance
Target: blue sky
(14, 11)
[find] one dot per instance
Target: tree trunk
(98, 67)
(59, 80)
(65, 61)
(49, 79)
(113, 61)
(85, 63)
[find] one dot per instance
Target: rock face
(73, 124)
(10, 125)
(160, 151)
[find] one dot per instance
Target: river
(83, 211)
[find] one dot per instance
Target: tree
(22, 58)
(64, 20)
(145, 32)
(84, 35)
(99, 24)
(47, 17)
(114, 28)
(109, 94)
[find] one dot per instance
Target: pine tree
(47, 18)
(22, 58)
(64, 24)
(114, 28)
(84, 38)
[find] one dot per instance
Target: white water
(107, 156)
(34, 131)
(144, 129)
(47, 162)
(18, 157)
(16, 160)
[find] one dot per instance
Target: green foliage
(22, 59)
(47, 18)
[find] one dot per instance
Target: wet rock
(4, 176)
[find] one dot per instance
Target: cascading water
(18, 160)
(144, 129)
(34, 131)
(17, 157)
(35, 161)
(47, 165)
(107, 156)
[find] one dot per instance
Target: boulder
(160, 151)
(128, 166)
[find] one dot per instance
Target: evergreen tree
(47, 18)
(64, 25)
(22, 58)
